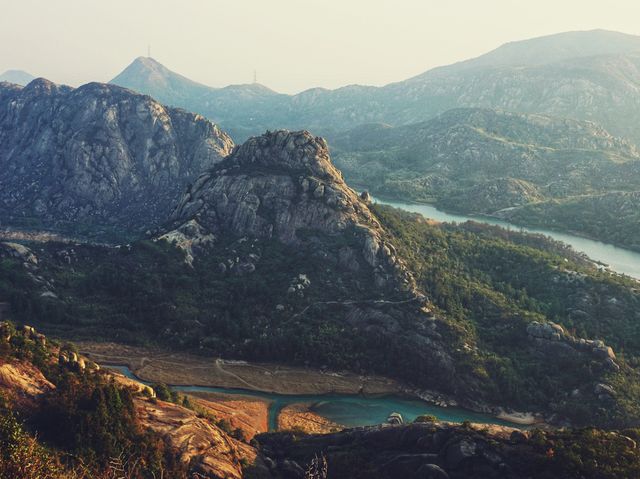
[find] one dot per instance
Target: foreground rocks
(552, 337)
(448, 451)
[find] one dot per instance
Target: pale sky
(293, 44)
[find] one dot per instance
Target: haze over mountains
(494, 162)
(17, 77)
(590, 75)
(586, 76)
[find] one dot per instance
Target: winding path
(356, 301)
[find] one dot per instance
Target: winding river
(618, 259)
(348, 410)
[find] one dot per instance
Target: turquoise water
(618, 259)
(348, 410)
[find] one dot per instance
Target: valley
(435, 278)
(429, 305)
(339, 398)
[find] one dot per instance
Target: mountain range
(592, 75)
(469, 149)
(270, 256)
(529, 169)
(560, 80)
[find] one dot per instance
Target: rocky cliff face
(283, 186)
(98, 156)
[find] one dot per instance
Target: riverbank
(618, 260)
(181, 369)
(244, 413)
(498, 221)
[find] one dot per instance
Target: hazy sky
(293, 44)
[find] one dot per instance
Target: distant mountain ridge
(150, 77)
(467, 147)
(245, 108)
(591, 75)
(18, 77)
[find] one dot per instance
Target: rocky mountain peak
(282, 186)
(147, 66)
(40, 86)
(299, 152)
(272, 186)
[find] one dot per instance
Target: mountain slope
(465, 147)
(17, 77)
(592, 75)
(63, 417)
(98, 157)
(151, 78)
(270, 256)
(604, 89)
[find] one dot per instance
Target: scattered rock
(395, 418)
(459, 451)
